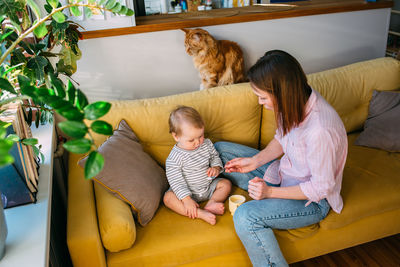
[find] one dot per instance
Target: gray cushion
(382, 127)
(131, 174)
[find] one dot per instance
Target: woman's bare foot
(217, 208)
(206, 216)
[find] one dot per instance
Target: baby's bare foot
(217, 208)
(207, 216)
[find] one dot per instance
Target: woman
(299, 188)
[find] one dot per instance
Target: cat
(219, 62)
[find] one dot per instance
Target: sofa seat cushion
(371, 185)
(171, 239)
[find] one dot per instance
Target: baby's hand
(190, 207)
(213, 171)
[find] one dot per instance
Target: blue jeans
(254, 220)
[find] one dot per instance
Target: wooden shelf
(242, 14)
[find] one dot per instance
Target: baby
(192, 167)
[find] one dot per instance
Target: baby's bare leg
(216, 202)
(172, 202)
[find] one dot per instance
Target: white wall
(155, 64)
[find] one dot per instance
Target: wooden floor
(382, 253)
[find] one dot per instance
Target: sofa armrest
(83, 236)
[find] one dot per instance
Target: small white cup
(234, 202)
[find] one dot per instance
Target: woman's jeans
(254, 220)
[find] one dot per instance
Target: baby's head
(187, 127)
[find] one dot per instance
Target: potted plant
(32, 73)
(35, 76)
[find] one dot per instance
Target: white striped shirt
(187, 169)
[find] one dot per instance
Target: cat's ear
(185, 30)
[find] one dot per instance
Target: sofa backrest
(348, 89)
(230, 113)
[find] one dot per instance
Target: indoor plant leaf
(6, 85)
(13, 137)
(71, 91)
(130, 12)
(72, 114)
(40, 31)
(94, 164)
(59, 17)
(37, 64)
(53, 3)
(96, 110)
(81, 100)
(75, 11)
(110, 4)
(30, 141)
(78, 146)
(102, 127)
(74, 129)
(87, 11)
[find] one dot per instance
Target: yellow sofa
(371, 185)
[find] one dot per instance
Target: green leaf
(81, 100)
(116, 8)
(94, 164)
(123, 10)
(5, 159)
(11, 8)
(53, 3)
(5, 145)
(78, 146)
(13, 137)
(69, 58)
(74, 129)
(40, 31)
(32, 4)
(71, 91)
(72, 114)
(29, 120)
(110, 4)
(37, 64)
(102, 127)
(96, 110)
(23, 81)
(59, 17)
(30, 141)
(87, 11)
(101, 2)
(130, 12)
(37, 119)
(6, 85)
(5, 35)
(58, 86)
(75, 11)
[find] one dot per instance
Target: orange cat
(219, 62)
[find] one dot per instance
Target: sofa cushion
(382, 127)
(371, 185)
(230, 113)
(171, 239)
(131, 174)
(116, 223)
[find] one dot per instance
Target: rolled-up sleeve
(176, 180)
(322, 160)
(215, 160)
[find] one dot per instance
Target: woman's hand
(190, 207)
(242, 165)
(213, 171)
(258, 189)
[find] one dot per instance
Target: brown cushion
(131, 174)
(382, 127)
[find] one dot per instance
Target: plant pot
(3, 230)
(192, 5)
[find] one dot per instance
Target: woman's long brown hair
(281, 75)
